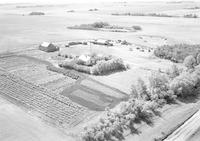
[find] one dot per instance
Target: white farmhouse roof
(101, 41)
(45, 44)
(84, 58)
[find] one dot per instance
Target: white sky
(67, 1)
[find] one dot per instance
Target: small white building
(48, 47)
(84, 58)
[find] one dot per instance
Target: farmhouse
(48, 47)
(84, 58)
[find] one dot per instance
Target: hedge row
(102, 67)
(75, 66)
(64, 72)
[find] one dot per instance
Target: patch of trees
(95, 9)
(142, 14)
(155, 14)
(104, 67)
(115, 124)
(104, 26)
(136, 27)
(92, 26)
(178, 52)
(187, 83)
(190, 16)
(36, 13)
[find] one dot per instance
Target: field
(19, 125)
(34, 71)
(72, 103)
(53, 106)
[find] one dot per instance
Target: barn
(48, 47)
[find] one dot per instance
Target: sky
(65, 1)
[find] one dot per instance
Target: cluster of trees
(116, 123)
(36, 13)
(100, 24)
(142, 14)
(190, 16)
(92, 26)
(178, 52)
(158, 91)
(104, 67)
(187, 83)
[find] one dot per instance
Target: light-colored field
(18, 125)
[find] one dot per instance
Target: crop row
(53, 105)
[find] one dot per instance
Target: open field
(73, 102)
(18, 125)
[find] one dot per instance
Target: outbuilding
(48, 47)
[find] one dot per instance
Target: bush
(160, 90)
(100, 24)
(176, 53)
(198, 59)
(125, 43)
(190, 62)
(75, 66)
(36, 13)
(136, 27)
(140, 90)
(186, 84)
(173, 72)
